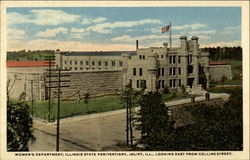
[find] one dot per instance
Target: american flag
(165, 29)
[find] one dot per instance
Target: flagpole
(170, 36)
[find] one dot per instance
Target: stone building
(153, 68)
(101, 73)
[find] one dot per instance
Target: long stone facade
(153, 68)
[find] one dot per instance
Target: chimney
(137, 44)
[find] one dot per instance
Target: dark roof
(28, 63)
(108, 53)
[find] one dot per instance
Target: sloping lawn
(73, 108)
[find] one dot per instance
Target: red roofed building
(28, 64)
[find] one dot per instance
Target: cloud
(189, 26)
(78, 32)
(200, 32)
(231, 29)
(14, 34)
(42, 17)
(127, 38)
(107, 27)
(52, 32)
(44, 44)
(87, 20)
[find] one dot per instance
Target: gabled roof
(28, 63)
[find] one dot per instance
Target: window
(70, 62)
(170, 71)
(162, 84)
(140, 56)
(162, 72)
(140, 71)
(170, 83)
(65, 62)
(75, 62)
(179, 82)
(70, 68)
(174, 83)
(179, 70)
(87, 68)
(143, 57)
(170, 59)
(179, 59)
(137, 83)
(134, 71)
(190, 69)
(120, 64)
(174, 71)
(99, 68)
(159, 84)
(87, 62)
(130, 82)
(161, 56)
(157, 56)
(190, 59)
(75, 68)
(93, 63)
(158, 71)
(81, 68)
(143, 84)
(99, 63)
(174, 59)
(113, 64)
(81, 62)
(93, 68)
(106, 63)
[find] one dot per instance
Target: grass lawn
(69, 108)
(230, 82)
(170, 96)
(223, 89)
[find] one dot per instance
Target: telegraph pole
(59, 75)
(50, 60)
(32, 101)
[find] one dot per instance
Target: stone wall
(217, 71)
(93, 82)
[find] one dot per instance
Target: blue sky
(113, 28)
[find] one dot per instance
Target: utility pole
(49, 61)
(59, 75)
(32, 101)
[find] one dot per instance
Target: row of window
(135, 72)
(81, 68)
(172, 71)
(93, 63)
(172, 83)
(172, 59)
(141, 56)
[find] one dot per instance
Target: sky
(117, 28)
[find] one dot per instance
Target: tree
(129, 99)
(86, 100)
(214, 128)
(153, 122)
(19, 126)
